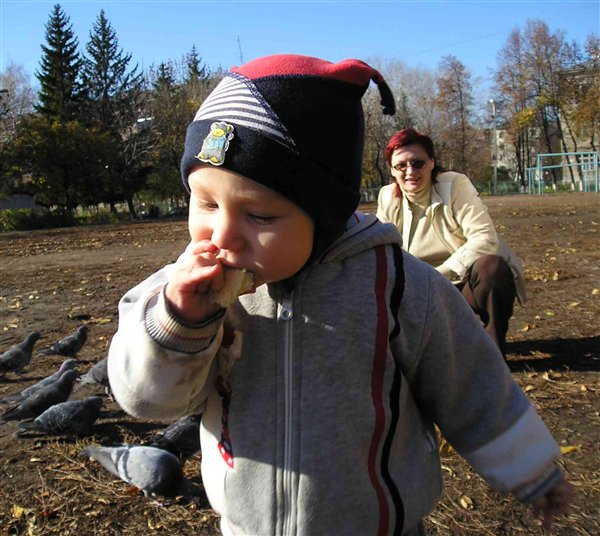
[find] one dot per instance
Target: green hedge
(25, 219)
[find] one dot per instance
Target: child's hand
(554, 503)
(187, 289)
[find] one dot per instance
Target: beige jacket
(461, 222)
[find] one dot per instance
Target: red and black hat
(294, 124)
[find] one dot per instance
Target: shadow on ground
(555, 354)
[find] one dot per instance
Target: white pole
(495, 145)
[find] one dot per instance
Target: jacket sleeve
(387, 212)
(468, 220)
(158, 367)
(461, 381)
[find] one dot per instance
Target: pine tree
(112, 92)
(196, 71)
(114, 102)
(60, 88)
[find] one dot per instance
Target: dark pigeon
(35, 405)
(70, 345)
(67, 364)
(15, 359)
(181, 438)
(73, 417)
(154, 471)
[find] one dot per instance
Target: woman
(444, 223)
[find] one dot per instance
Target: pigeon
(98, 373)
(67, 364)
(35, 405)
(155, 471)
(69, 345)
(71, 417)
(181, 438)
(19, 356)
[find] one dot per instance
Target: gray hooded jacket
(321, 420)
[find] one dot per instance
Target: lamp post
(495, 150)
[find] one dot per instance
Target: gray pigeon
(70, 345)
(35, 405)
(67, 364)
(98, 373)
(74, 417)
(155, 471)
(19, 356)
(181, 438)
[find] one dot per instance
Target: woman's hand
(186, 292)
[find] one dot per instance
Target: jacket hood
(363, 232)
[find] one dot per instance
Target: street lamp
(495, 150)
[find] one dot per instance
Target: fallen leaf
(449, 469)
(574, 304)
(550, 313)
(18, 511)
(569, 448)
(595, 291)
(466, 502)
(528, 388)
(102, 320)
(528, 326)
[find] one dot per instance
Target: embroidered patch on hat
(237, 100)
(216, 143)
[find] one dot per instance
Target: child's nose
(227, 232)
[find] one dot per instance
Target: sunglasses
(415, 164)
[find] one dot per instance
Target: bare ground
(55, 280)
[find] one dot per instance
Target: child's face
(254, 227)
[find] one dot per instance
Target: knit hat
(294, 124)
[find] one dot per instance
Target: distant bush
(98, 218)
(25, 219)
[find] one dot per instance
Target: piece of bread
(236, 282)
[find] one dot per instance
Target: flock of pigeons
(156, 468)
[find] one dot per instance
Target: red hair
(410, 136)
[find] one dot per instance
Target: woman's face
(412, 167)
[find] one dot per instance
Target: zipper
(289, 506)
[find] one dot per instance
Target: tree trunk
(131, 207)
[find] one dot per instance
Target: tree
(60, 88)
(111, 89)
(539, 95)
(515, 102)
(544, 59)
(456, 135)
(178, 89)
(63, 159)
(16, 99)
(580, 91)
(114, 100)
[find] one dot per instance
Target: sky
(227, 33)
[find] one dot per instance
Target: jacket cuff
(530, 493)
(498, 463)
(172, 333)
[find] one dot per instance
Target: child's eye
(205, 205)
(262, 220)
